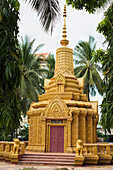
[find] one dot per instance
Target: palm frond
(31, 92)
(79, 56)
(48, 11)
(37, 48)
(80, 50)
(98, 81)
(81, 72)
(50, 62)
(80, 62)
(78, 69)
(86, 76)
(99, 68)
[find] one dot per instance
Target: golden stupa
(63, 114)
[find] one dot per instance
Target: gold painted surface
(63, 99)
(7, 150)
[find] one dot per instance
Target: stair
(48, 159)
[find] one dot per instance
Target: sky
(80, 24)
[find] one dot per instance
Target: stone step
(50, 155)
(47, 160)
(47, 157)
(46, 163)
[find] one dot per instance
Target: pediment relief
(56, 108)
(60, 79)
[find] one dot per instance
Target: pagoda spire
(64, 41)
(64, 55)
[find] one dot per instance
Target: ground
(9, 166)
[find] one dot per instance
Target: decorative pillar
(75, 114)
(30, 131)
(2, 148)
(69, 148)
(43, 133)
(82, 125)
(7, 151)
(76, 126)
(95, 130)
(89, 126)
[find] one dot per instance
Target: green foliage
(89, 5)
(31, 74)
(9, 66)
(61, 169)
(106, 25)
(50, 61)
(99, 134)
(24, 133)
(86, 67)
(106, 58)
(32, 168)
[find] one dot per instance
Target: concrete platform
(9, 166)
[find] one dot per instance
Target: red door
(57, 139)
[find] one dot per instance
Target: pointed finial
(64, 28)
(64, 41)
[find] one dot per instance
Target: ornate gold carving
(89, 137)
(64, 61)
(60, 79)
(82, 124)
(79, 147)
(34, 131)
(16, 146)
(56, 108)
(75, 128)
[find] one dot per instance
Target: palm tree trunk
(12, 133)
(16, 134)
(88, 92)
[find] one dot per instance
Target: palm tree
(31, 73)
(50, 60)
(86, 67)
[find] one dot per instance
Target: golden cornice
(39, 104)
(69, 50)
(35, 111)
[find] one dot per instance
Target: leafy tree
(9, 67)
(50, 60)
(100, 134)
(106, 58)
(31, 74)
(24, 133)
(106, 107)
(90, 5)
(85, 66)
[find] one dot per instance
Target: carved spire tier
(64, 55)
